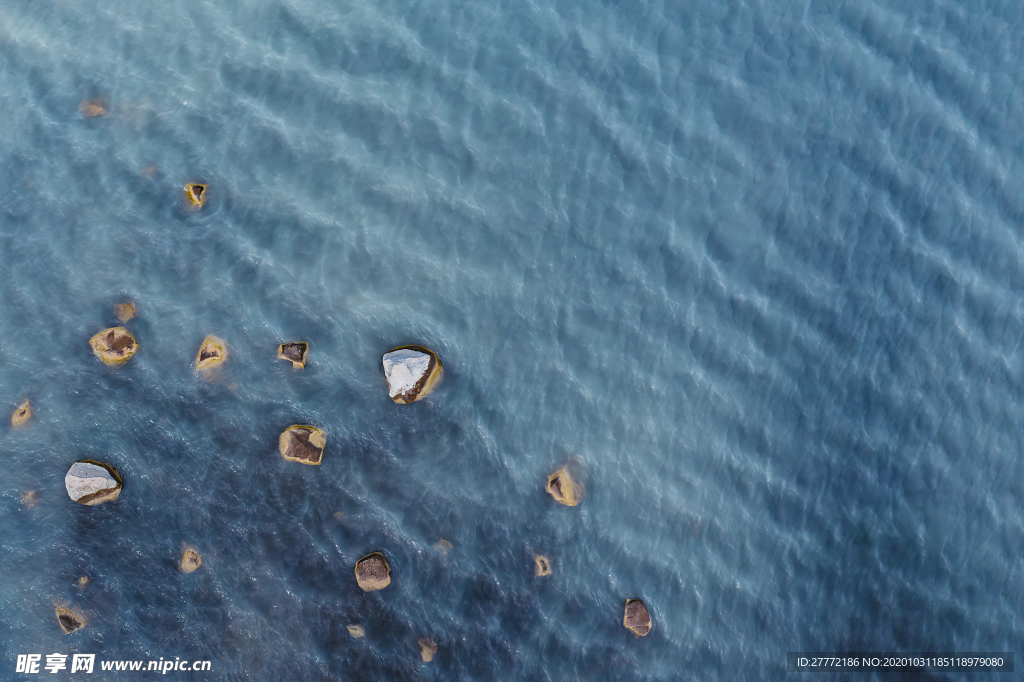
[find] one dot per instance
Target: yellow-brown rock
(302, 443)
(373, 572)
(195, 194)
(542, 565)
(114, 346)
(190, 559)
(70, 619)
(412, 373)
(637, 618)
(124, 311)
(91, 108)
(356, 631)
(294, 352)
(22, 415)
(212, 354)
(428, 649)
(564, 488)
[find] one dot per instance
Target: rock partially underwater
(373, 572)
(91, 483)
(412, 373)
(22, 415)
(114, 346)
(195, 194)
(212, 354)
(70, 619)
(294, 352)
(637, 618)
(428, 649)
(302, 443)
(564, 488)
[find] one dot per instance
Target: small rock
(70, 619)
(637, 618)
(212, 354)
(22, 414)
(91, 483)
(443, 546)
(30, 498)
(356, 631)
(114, 346)
(339, 515)
(428, 649)
(82, 582)
(91, 108)
(564, 488)
(412, 373)
(124, 311)
(373, 572)
(294, 352)
(190, 559)
(542, 565)
(195, 194)
(302, 443)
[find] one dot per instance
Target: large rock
(70, 619)
(91, 483)
(412, 373)
(22, 415)
(195, 194)
(212, 354)
(564, 488)
(373, 572)
(190, 559)
(637, 618)
(302, 443)
(114, 346)
(294, 352)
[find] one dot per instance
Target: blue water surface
(757, 264)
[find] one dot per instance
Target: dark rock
(637, 618)
(373, 572)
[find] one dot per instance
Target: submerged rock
(412, 373)
(22, 414)
(542, 565)
(114, 346)
(302, 443)
(564, 488)
(294, 352)
(82, 582)
(91, 483)
(373, 572)
(443, 546)
(30, 498)
(195, 194)
(70, 619)
(91, 108)
(428, 649)
(190, 559)
(212, 354)
(124, 311)
(637, 618)
(356, 631)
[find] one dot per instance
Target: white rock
(404, 368)
(91, 484)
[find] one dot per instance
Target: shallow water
(757, 264)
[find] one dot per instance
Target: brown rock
(294, 352)
(564, 488)
(124, 311)
(212, 354)
(356, 631)
(190, 559)
(428, 649)
(195, 194)
(637, 618)
(22, 414)
(70, 619)
(542, 565)
(302, 443)
(373, 572)
(91, 108)
(30, 498)
(114, 346)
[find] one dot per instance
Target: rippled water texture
(758, 264)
